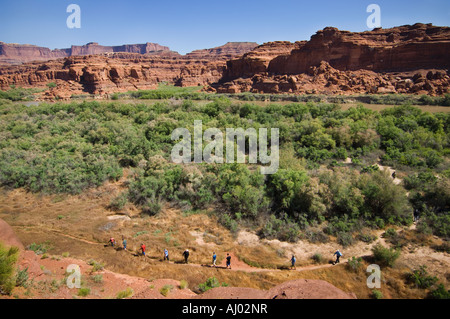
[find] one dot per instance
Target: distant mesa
(11, 53)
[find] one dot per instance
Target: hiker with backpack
(338, 255)
(214, 258)
(124, 243)
(143, 249)
(166, 254)
(293, 260)
(112, 241)
(186, 256)
(228, 260)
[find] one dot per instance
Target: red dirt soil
(49, 281)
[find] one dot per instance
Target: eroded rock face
(227, 51)
(20, 53)
(110, 73)
(421, 46)
(101, 70)
(407, 59)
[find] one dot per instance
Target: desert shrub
(440, 292)
(183, 284)
(210, 283)
(317, 258)
(22, 277)
(18, 94)
(355, 264)
(228, 222)
(84, 292)
(166, 290)
(8, 259)
(125, 293)
(282, 228)
(119, 202)
(345, 239)
(398, 240)
(385, 256)
(391, 232)
(316, 236)
(366, 237)
(97, 279)
(436, 224)
(421, 279)
(39, 249)
(376, 294)
(96, 266)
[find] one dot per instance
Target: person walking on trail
(186, 256)
(166, 254)
(416, 215)
(338, 255)
(112, 241)
(143, 249)
(228, 260)
(124, 243)
(293, 260)
(214, 258)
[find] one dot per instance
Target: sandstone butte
(405, 59)
(95, 70)
(410, 59)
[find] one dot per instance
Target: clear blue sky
(188, 25)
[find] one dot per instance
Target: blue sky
(188, 25)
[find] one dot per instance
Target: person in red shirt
(143, 249)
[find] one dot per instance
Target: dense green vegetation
(68, 147)
(165, 91)
(8, 259)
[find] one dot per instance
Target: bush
(376, 294)
(345, 239)
(97, 279)
(83, 292)
(440, 293)
(391, 232)
(421, 279)
(355, 263)
(183, 284)
(210, 283)
(317, 258)
(366, 238)
(119, 202)
(96, 266)
(22, 277)
(39, 249)
(125, 293)
(8, 259)
(385, 256)
(166, 290)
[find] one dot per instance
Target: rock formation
(406, 59)
(226, 51)
(20, 53)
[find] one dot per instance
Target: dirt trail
(236, 264)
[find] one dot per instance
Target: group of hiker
(185, 254)
(338, 255)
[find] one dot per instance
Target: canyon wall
(406, 59)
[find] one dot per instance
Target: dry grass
(84, 230)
